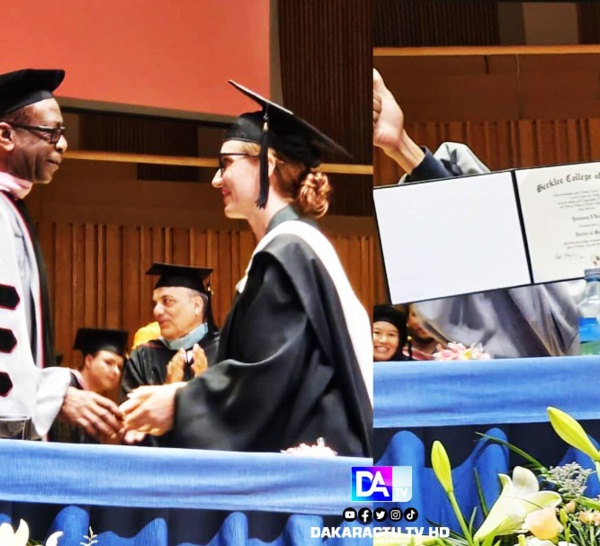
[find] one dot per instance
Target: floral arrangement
(20, 537)
(558, 514)
(458, 351)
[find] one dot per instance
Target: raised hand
(388, 128)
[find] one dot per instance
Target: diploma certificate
(484, 232)
(561, 216)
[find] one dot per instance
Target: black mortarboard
(92, 340)
(388, 313)
(180, 275)
(24, 87)
(187, 277)
(278, 128)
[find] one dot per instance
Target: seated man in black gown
(189, 337)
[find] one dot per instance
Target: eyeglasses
(222, 165)
(54, 132)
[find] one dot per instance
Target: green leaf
(482, 502)
(536, 464)
(472, 520)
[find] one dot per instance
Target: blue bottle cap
(592, 273)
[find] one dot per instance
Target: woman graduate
(295, 354)
(389, 333)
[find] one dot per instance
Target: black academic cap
(92, 340)
(278, 128)
(180, 275)
(391, 314)
(187, 277)
(24, 87)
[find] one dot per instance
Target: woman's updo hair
(308, 189)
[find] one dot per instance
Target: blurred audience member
(421, 344)
(389, 332)
(145, 334)
(100, 372)
(103, 357)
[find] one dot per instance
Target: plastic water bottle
(589, 314)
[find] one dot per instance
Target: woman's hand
(149, 410)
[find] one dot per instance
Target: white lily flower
(53, 538)
(520, 496)
(20, 537)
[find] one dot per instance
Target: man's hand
(388, 118)
(200, 363)
(388, 128)
(97, 415)
(176, 367)
(149, 410)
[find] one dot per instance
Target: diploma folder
(484, 232)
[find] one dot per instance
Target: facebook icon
(381, 483)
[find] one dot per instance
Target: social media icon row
(366, 515)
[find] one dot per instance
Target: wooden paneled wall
(326, 61)
(487, 84)
(145, 135)
(414, 23)
(588, 18)
(97, 271)
(505, 144)
(515, 109)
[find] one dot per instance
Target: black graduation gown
(286, 370)
(147, 364)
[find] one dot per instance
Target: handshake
(149, 409)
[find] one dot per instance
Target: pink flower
(457, 351)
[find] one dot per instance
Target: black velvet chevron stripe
(7, 340)
(8, 296)
(5, 384)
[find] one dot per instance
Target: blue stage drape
(414, 394)
(429, 399)
(140, 496)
